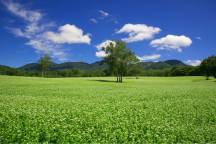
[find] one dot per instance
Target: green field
(98, 110)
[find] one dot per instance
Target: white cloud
(138, 32)
(31, 29)
(69, 34)
(19, 10)
(35, 28)
(39, 45)
(103, 13)
(149, 57)
(172, 42)
(17, 32)
(105, 44)
(100, 54)
(193, 62)
(49, 48)
(93, 20)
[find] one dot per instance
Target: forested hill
(99, 66)
(70, 69)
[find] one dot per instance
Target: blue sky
(76, 30)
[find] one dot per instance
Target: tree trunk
(207, 77)
(120, 78)
(42, 73)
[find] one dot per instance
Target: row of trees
(134, 70)
(121, 61)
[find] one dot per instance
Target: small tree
(119, 59)
(208, 67)
(44, 63)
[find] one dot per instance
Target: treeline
(175, 71)
(207, 68)
(134, 71)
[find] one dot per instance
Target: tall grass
(97, 110)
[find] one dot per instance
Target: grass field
(97, 110)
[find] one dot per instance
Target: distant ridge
(97, 65)
(174, 62)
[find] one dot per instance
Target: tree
(119, 59)
(44, 63)
(208, 67)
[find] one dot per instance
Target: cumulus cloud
(149, 57)
(193, 62)
(100, 52)
(138, 32)
(49, 48)
(105, 44)
(35, 29)
(69, 34)
(172, 42)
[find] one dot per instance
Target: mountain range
(98, 66)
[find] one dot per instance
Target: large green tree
(119, 58)
(44, 63)
(208, 67)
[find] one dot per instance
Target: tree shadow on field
(204, 80)
(104, 80)
(198, 80)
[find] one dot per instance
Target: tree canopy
(119, 58)
(208, 66)
(44, 63)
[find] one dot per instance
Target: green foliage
(140, 69)
(208, 66)
(96, 110)
(119, 59)
(44, 63)
(185, 71)
(76, 69)
(4, 70)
